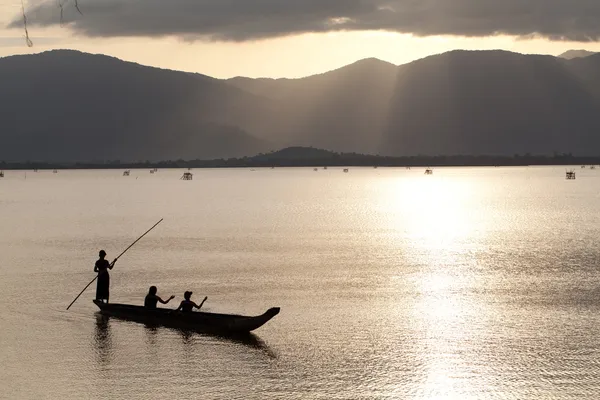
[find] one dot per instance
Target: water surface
(472, 283)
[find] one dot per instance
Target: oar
(205, 297)
(119, 256)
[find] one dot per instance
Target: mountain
(342, 110)
(69, 106)
(460, 102)
(571, 54)
(497, 103)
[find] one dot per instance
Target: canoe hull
(197, 321)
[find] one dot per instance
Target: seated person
(187, 304)
(152, 299)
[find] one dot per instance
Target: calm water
(473, 283)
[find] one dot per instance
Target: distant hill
(69, 106)
(295, 153)
(571, 54)
(496, 103)
(342, 110)
(66, 105)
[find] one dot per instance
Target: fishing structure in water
(187, 176)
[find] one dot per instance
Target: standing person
(152, 299)
(101, 267)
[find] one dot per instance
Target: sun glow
(432, 212)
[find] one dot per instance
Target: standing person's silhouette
(101, 267)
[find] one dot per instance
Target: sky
(295, 38)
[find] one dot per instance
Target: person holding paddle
(152, 299)
(187, 304)
(101, 267)
(104, 265)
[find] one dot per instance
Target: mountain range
(66, 105)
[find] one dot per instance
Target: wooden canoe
(197, 321)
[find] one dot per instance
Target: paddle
(119, 256)
(200, 306)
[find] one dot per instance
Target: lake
(471, 283)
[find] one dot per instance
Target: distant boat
(570, 175)
(324, 167)
(187, 176)
(126, 173)
(55, 172)
(152, 171)
(1, 174)
(428, 171)
(315, 169)
(592, 167)
(583, 166)
(197, 321)
(346, 170)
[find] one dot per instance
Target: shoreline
(401, 163)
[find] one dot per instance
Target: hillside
(66, 105)
(495, 103)
(342, 110)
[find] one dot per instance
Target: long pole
(119, 256)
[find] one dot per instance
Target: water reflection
(151, 334)
(103, 339)
(249, 340)
(441, 232)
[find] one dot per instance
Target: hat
(187, 294)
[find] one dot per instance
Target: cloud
(243, 20)
(19, 42)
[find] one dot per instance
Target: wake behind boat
(198, 321)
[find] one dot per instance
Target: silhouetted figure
(152, 299)
(102, 266)
(188, 305)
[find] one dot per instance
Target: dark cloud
(241, 20)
